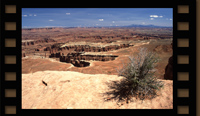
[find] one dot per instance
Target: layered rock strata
(79, 60)
(70, 58)
(37, 42)
(73, 53)
(86, 48)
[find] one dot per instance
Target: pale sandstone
(74, 90)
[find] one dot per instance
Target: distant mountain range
(153, 26)
(127, 26)
(136, 25)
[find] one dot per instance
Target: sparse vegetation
(139, 80)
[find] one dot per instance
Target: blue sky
(88, 17)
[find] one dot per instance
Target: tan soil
(74, 90)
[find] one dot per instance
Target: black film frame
(183, 17)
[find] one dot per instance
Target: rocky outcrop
(74, 90)
(108, 41)
(23, 55)
(47, 49)
(35, 30)
(98, 37)
(126, 38)
(77, 59)
(55, 55)
(146, 38)
(70, 58)
(77, 56)
(37, 49)
(86, 48)
(163, 48)
(79, 63)
(73, 54)
(169, 68)
(46, 40)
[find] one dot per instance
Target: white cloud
(101, 19)
(29, 15)
(151, 18)
(68, 13)
(170, 19)
(143, 23)
(113, 21)
(156, 16)
(51, 20)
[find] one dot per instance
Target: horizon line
(129, 26)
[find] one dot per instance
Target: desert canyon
(71, 68)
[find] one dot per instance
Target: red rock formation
(37, 49)
(79, 63)
(163, 48)
(47, 40)
(72, 57)
(146, 38)
(169, 68)
(86, 48)
(125, 38)
(23, 55)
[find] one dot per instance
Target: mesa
(91, 50)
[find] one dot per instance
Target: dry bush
(139, 80)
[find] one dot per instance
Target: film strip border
(10, 58)
(184, 60)
(185, 57)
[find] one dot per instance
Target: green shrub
(139, 78)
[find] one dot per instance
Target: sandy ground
(74, 90)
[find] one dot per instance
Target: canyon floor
(34, 63)
(48, 83)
